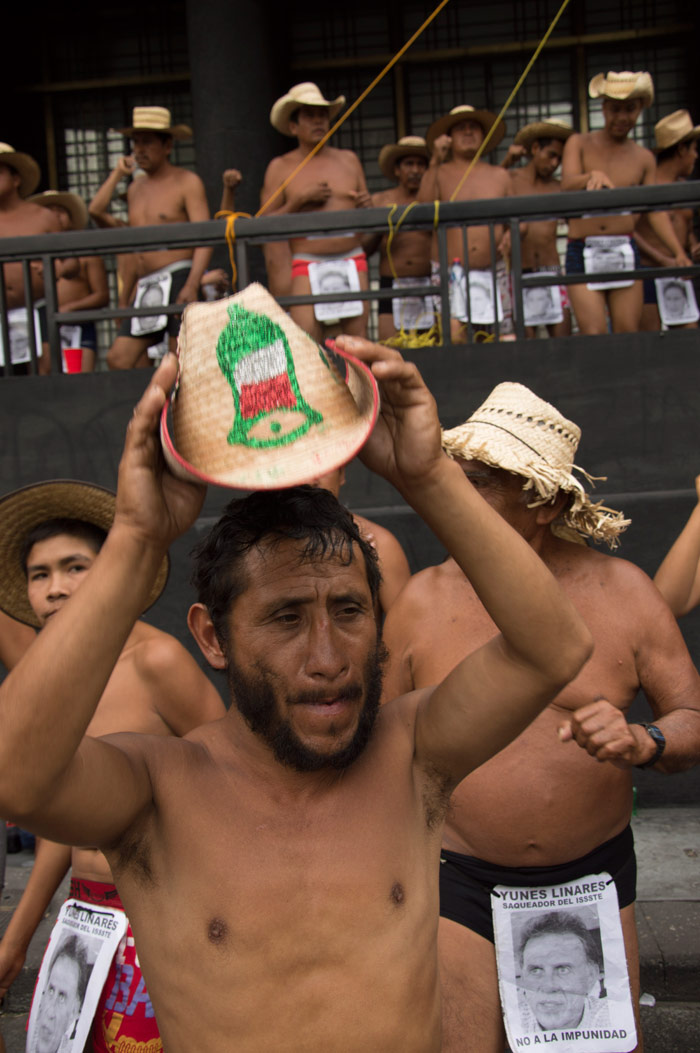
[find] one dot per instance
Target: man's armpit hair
(437, 794)
(133, 854)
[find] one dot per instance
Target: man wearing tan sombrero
(331, 181)
(19, 177)
(81, 282)
(676, 154)
(541, 143)
(403, 163)
(50, 536)
(543, 812)
(609, 158)
(280, 866)
(453, 141)
(165, 194)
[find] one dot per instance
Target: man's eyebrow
(76, 556)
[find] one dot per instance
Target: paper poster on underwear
(18, 326)
(542, 305)
(412, 312)
(152, 291)
(75, 966)
(562, 969)
(329, 276)
(608, 253)
(480, 299)
(676, 300)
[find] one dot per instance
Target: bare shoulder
(153, 651)
(501, 180)
(383, 197)
(422, 591)
(186, 177)
(282, 163)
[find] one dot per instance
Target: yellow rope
(510, 98)
(351, 109)
(231, 218)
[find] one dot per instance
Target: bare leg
(386, 329)
(562, 328)
(303, 314)
(589, 308)
(471, 1007)
(626, 308)
(87, 361)
(129, 352)
(651, 322)
(358, 326)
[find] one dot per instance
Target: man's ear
(202, 628)
(553, 509)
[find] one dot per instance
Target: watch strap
(660, 742)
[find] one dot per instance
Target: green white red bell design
(255, 357)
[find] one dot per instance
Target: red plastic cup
(72, 359)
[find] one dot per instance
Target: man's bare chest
(624, 164)
(153, 205)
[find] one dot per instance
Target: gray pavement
(668, 921)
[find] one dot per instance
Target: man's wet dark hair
(545, 141)
(91, 534)
(302, 513)
(671, 151)
(561, 923)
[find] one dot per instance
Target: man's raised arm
(52, 779)
(499, 688)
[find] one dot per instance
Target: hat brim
(283, 109)
(26, 168)
(23, 510)
(689, 137)
(177, 131)
(599, 88)
(483, 117)
(541, 130)
(319, 451)
(73, 204)
(391, 154)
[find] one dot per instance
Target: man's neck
(161, 172)
(668, 171)
(306, 148)
(11, 201)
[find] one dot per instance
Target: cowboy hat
(306, 94)
(73, 204)
(408, 146)
(521, 433)
(623, 86)
(675, 128)
(464, 113)
(258, 404)
(549, 128)
(25, 166)
(23, 510)
(155, 119)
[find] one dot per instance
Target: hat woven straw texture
(549, 128)
(73, 204)
(466, 112)
(521, 433)
(305, 94)
(622, 86)
(258, 404)
(408, 146)
(23, 510)
(155, 119)
(25, 166)
(676, 127)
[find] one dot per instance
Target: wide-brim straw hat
(675, 128)
(622, 86)
(521, 433)
(23, 510)
(306, 94)
(549, 128)
(25, 166)
(258, 404)
(408, 146)
(467, 113)
(73, 204)
(155, 119)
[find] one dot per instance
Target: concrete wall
(635, 397)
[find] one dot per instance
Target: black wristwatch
(659, 740)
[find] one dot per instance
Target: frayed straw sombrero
(23, 510)
(258, 404)
(25, 166)
(306, 94)
(515, 430)
(73, 204)
(155, 119)
(467, 113)
(622, 86)
(408, 146)
(675, 128)
(549, 128)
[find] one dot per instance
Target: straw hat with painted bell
(549, 128)
(73, 204)
(24, 510)
(25, 166)
(408, 146)
(467, 113)
(622, 86)
(675, 128)
(258, 404)
(155, 119)
(521, 433)
(306, 94)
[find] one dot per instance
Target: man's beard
(255, 700)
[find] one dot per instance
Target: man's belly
(581, 228)
(478, 242)
(325, 246)
(538, 802)
(148, 262)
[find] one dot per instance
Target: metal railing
(510, 211)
